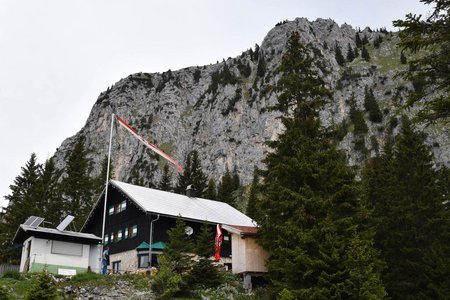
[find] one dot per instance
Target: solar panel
(34, 221)
(30, 220)
(67, 220)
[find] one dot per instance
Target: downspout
(151, 241)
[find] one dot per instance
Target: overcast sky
(57, 56)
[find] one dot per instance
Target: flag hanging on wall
(218, 242)
(148, 144)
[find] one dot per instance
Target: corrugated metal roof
(172, 204)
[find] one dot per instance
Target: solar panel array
(34, 221)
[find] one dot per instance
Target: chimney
(190, 191)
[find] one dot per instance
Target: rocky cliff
(221, 110)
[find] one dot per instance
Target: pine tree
(262, 66)
(371, 105)
(429, 37)
(412, 222)
(22, 204)
(193, 174)
(338, 55)
(403, 58)
(165, 184)
(350, 53)
(100, 181)
(365, 54)
(309, 199)
(204, 274)
(252, 208)
(177, 247)
(226, 188)
(211, 192)
(43, 289)
(77, 186)
(48, 193)
(358, 40)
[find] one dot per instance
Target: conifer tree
(365, 54)
(48, 193)
(358, 40)
(204, 274)
(309, 199)
(338, 55)
(350, 53)
(412, 222)
(177, 246)
(22, 204)
(211, 192)
(262, 66)
(165, 184)
(226, 188)
(43, 289)
(193, 174)
(100, 181)
(403, 58)
(371, 105)
(77, 186)
(429, 37)
(252, 209)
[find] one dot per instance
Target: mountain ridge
(221, 110)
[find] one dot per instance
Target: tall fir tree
(211, 192)
(365, 54)
(430, 38)
(193, 174)
(165, 183)
(48, 193)
(22, 204)
(100, 181)
(77, 186)
(226, 188)
(371, 105)
(252, 203)
(338, 55)
(350, 53)
(309, 199)
(413, 224)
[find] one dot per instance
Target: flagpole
(107, 183)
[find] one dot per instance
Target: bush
(166, 282)
(12, 274)
(4, 295)
(43, 289)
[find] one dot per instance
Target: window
(143, 260)
(111, 210)
(134, 231)
(106, 239)
(123, 205)
(111, 237)
(126, 233)
(119, 235)
(116, 266)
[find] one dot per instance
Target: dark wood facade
(125, 217)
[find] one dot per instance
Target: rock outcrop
(222, 110)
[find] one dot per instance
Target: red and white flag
(148, 144)
(218, 242)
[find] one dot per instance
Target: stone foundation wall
(128, 261)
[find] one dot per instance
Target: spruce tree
(365, 54)
(350, 53)
(262, 66)
(77, 186)
(371, 105)
(226, 188)
(48, 193)
(22, 204)
(429, 37)
(338, 55)
(358, 40)
(100, 181)
(177, 247)
(44, 288)
(165, 184)
(412, 223)
(193, 174)
(211, 192)
(252, 205)
(309, 199)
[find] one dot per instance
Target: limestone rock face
(222, 110)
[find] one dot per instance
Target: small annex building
(58, 251)
(132, 210)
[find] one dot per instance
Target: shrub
(4, 295)
(13, 274)
(166, 282)
(43, 289)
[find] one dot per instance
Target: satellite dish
(188, 230)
